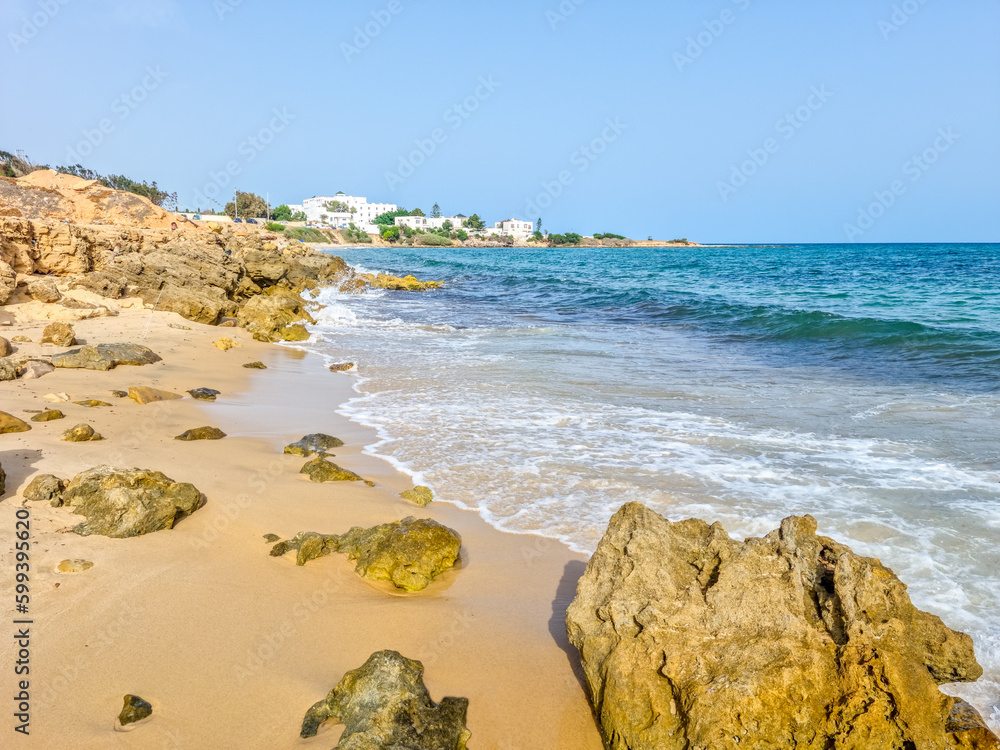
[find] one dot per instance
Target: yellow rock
(215, 227)
(143, 395)
(74, 566)
(10, 423)
(225, 344)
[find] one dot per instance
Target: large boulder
(44, 489)
(59, 334)
(385, 704)
(10, 423)
(5, 348)
(277, 316)
(44, 290)
(105, 357)
(320, 470)
(690, 639)
(122, 503)
(410, 553)
(134, 355)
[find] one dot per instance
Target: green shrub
(462, 235)
(306, 234)
(391, 234)
(434, 240)
(275, 227)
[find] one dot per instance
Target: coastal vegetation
(284, 213)
(250, 205)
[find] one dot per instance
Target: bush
(462, 235)
(275, 227)
(609, 236)
(391, 234)
(434, 240)
(538, 236)
(570, 238)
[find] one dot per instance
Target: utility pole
(236, 201)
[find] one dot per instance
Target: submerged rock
(122, 503)
(320, 470)
(10, 423)
(82, 433)
(342, 367)
(385, 704)
(410, 554)
(59, 334)
(204, 394)
(312, 444)
(419, 495)
(49, 415)
(74, 566)
(135, 709)
(690, 639)
(202, 433)
(143, 395)
(44, 489)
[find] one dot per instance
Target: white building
(513, 228)
(427, 223)
(363, 214)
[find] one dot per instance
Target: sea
(544, 388)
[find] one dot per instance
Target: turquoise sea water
(857, 383)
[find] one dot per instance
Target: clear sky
(720, 121)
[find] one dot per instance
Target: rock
(143, 395)
(5, 348)
(10, 369)
(21, 340)
(228, 323)
(92, 403)
(320, 470)
(135, 709)
(34, 369)
(178, 327)
(255, 366)
(405, 284)
(3, 481)
(410, 554)
(225, 344)
(8, 282)
(968, 729)
(119, 394)
(690, 639)
(385, 704)
(202, 433)
(272, 538)
(310, 444)
(44, 489)
(122, 503)
(44, 290)
(204, 394)
(59, 334)
(74, 566)
(419, 495)
(344, 367)
(82, 433)
(10, 423)
(49, 415)
(354, 286)
(276, 316)
(105, 357)
(56, 398)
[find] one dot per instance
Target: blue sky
(721, 121)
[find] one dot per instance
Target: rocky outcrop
(122, 503)
(59, 334)
(202, 433)
(410, 554)
(278, 316)
(690, 639)
(143, 395)
(135, 709)
(320, 470)
(10, 423)
(44, 489)
(313, 444)
(105, 357)
(82, 433)
(404, 284)
(385, 704)
(419, 495)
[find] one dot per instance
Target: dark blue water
(858, 383)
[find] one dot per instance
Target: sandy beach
(230, 645)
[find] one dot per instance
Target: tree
(282, 213)
(251, 206)
(388, 219)
(538, 225)
(447, 226)
(436, 212)
(462, 235)
(390, 234)
(474, 223)
(417, 212)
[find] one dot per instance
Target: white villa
(520, 230)
(427, 223)
(363, 213)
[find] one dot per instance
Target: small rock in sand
(44, 489)
(344, 367)
(204, 394)
(135, 709)
(225, 344)
(119, 394)
(178, 327)
(49, 415)
(34, 369)
(21, 340)
(9, 369)
(271, 538)
(419, 495)
(59, 334)
(311, 444)
(56, 398)
(320, 470)
(202, 433)
(82, 433)
(92, 403)
(255, 366)
(74, 566)
(143, 395)
(10, 423)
